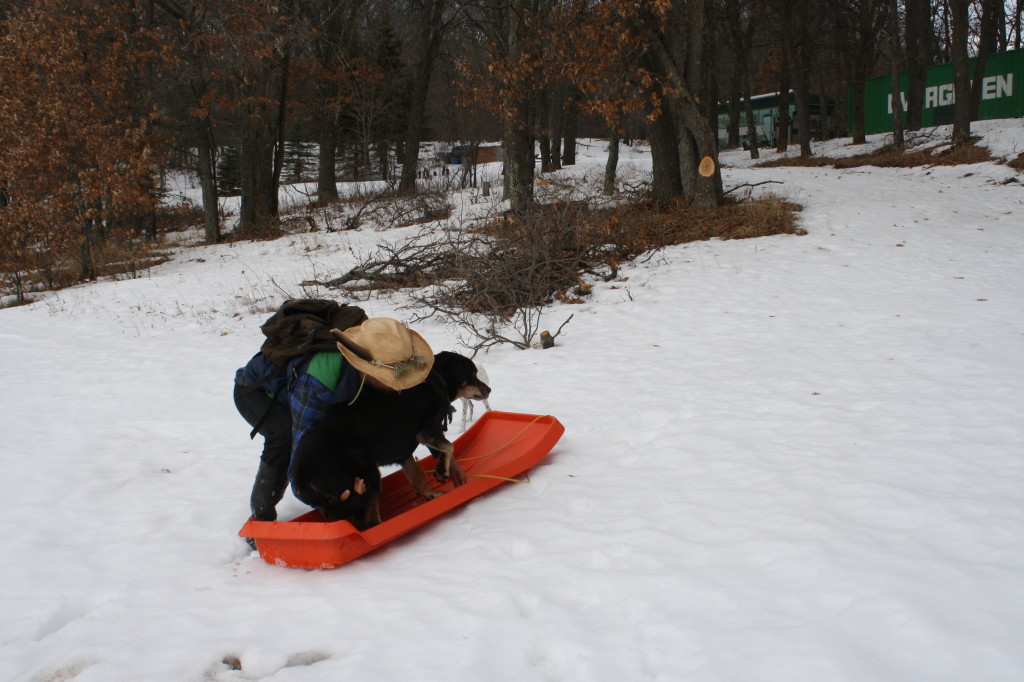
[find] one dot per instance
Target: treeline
(98, 98)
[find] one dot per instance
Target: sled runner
(498, 447)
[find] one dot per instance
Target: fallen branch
(752, 185)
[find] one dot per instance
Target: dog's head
(461, 375)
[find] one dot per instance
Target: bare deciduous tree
(959, 18)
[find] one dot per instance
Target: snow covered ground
(797, 458)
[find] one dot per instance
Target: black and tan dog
(335, 467)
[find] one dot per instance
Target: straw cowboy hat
(388, 351)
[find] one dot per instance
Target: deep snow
(796, 458)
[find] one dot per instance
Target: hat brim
(362, 360)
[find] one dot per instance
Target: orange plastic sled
(499, 446)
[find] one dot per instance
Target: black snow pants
(271, 481)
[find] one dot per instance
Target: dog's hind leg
(371, 517)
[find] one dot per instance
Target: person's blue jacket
(309, 389)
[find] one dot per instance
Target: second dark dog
(335, 465)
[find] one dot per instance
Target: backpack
(299, 328)
(302, 325)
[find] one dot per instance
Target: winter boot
(267, 491)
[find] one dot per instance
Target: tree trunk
(519, 117)
(682, 137)
(557, 121)
(327, 173)
(706, 188)
(782, 142)
(918, 32)
(861, 25)
(992, 18)
(338, 25)
(433, 14)
(544, 146)
(961, 72)
(740, 28)
(208, 183)
(85, 257)
(261, 152)
(859, 135)
(91, 237)
(282, 108)
(732, 129)
(611, 165)
(544, 126)
(667, 183)
(149, 225)
(894, 61)
(1018, 12)
(383, 148)
(697, 93)
(752, 137)
(571, 119)
(800, 59)
(803, 114)
(686, 148)
(256, 168)
(519, 165)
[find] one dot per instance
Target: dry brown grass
(797, 161)
(267, 230)
(637, 228)
(640, 229)
(891, 158)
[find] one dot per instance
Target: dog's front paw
(441, 471)
(458, 474)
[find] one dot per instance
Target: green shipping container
(1002, 93)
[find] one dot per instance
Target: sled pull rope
(500, 478)
(426, 470)
(499, 449)
(507, 442)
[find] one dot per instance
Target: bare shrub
(492, 280)
(383, 208)
(504, 275)
(422, 260)
(179, 217)
(48, 270)
(400, 209)
(126, 259)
